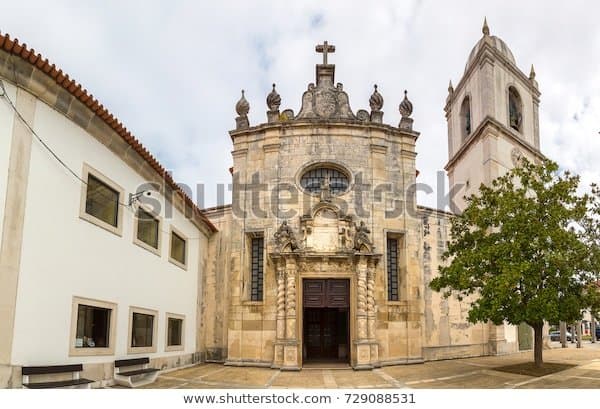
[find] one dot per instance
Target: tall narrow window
(178, 251)
(174, 331)
(515, 109)
(465, 117)
(102, 201)
(392, 269)
(147, 228)
(256, 253)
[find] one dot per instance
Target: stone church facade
(324, 202)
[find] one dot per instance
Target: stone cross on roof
(325, 48)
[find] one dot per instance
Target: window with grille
(392, 269)
(257, 269)
(312, 180)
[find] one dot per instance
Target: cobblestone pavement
(457, 373)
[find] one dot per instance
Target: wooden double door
(326, 331)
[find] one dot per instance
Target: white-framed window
(178, 251)
(143, 325)
(175, 332)
(100, 201)
(93, 325)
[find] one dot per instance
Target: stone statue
(285, 235)
(361, 237)
(325, 190)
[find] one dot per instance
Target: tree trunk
(538, 343)
(563, 334)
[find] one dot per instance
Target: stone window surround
(110, 350)
(171, 348)
(247, 274)
(513, 85)
(172, 230)
(139, 242)
(87, 170)
(142, 350)
(399, 235)
(324, 163)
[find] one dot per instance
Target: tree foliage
(520, 250)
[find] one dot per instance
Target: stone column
(371, 315)
(280, 302)
(362, 345)
(290, 359)
(280, 323)
(361, 302)
(372, 312)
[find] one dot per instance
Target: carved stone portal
(331, 244)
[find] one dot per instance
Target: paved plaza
(481, 372)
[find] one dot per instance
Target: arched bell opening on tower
(515, 110)
(465, 117)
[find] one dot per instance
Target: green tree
(515, 253)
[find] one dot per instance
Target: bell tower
(492, 117)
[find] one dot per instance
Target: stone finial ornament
(450, 88)
(242, 108)
(532, 77)
(485, 29)
(406, 107)
(376, 103)
(273, 100)
(376, 100)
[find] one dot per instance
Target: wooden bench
(74, 382)
(132, 377)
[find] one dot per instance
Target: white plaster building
(82, 280)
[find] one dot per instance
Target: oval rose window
(312, 180)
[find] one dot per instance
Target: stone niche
(326, 230)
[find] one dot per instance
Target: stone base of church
(403, 361)
(248, 362)
(290, 356)
(365, 355)
(435, 353)
(218, 355)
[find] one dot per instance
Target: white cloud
(172, 71)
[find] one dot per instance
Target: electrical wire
(128, 207)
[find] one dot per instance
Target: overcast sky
(172, 71)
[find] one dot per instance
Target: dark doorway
(326, 320)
